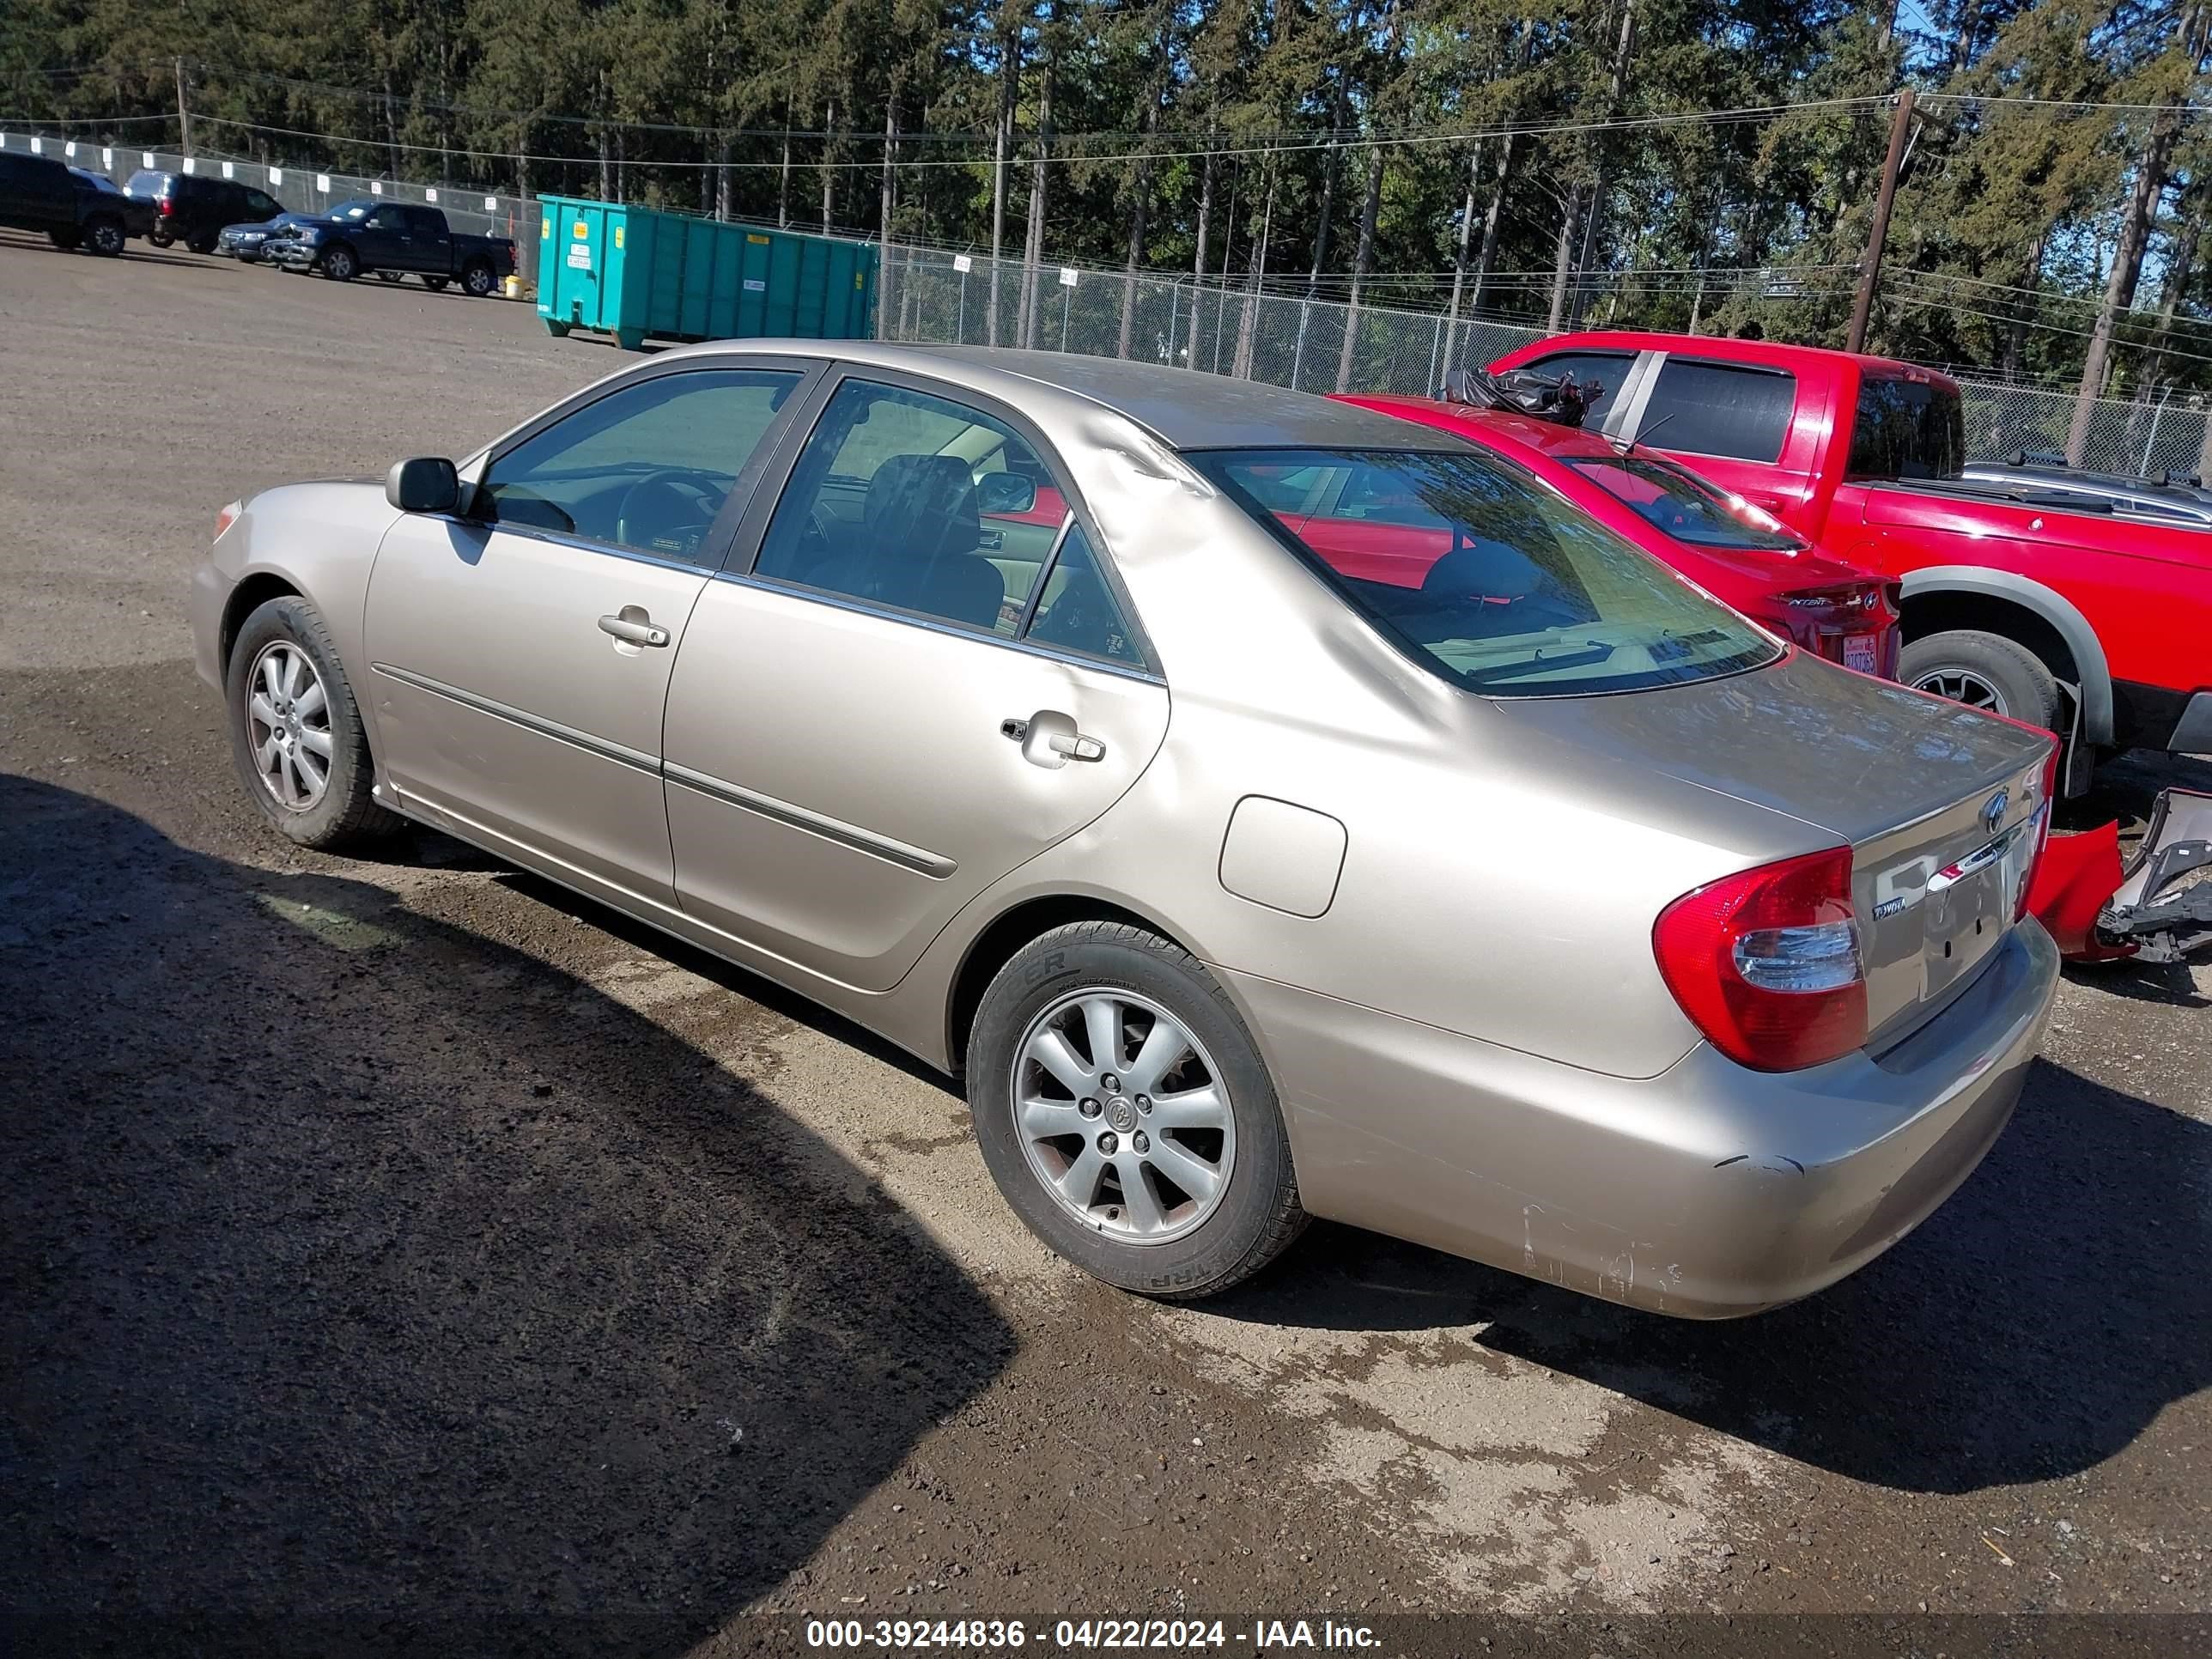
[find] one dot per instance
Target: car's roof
(1186, 408)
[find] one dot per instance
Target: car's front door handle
(634, 630)
(1076, 746)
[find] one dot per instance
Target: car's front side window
(915, 501)
(646, 467)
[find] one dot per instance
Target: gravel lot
(410, 1241)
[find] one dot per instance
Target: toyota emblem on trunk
(1993, 813)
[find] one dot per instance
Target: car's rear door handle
(1049, 738)
(633, 631)
(1076, 746)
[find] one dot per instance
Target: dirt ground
(406, 1246)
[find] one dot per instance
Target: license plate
(1859, 652)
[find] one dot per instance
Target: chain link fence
(1222, 328)
(971, 300)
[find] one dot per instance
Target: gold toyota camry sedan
(1269, 809)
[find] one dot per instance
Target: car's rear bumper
(1708, 1191)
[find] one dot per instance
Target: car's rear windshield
(1482, 575)
(1906, 428)
(1680, 504)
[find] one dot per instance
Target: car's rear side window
(1486, 578)
(1906, 428)
(1719, 409)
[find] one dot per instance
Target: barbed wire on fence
(1317, 344)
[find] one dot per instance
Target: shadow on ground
(2033, 1327)
(363, 1276)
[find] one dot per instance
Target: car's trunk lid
(1936, 801)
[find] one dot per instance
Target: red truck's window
(1484, 578)
(1906, 430)
(1604, 369)
(1719, 409)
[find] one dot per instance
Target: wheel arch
(251, 593)
(1943, 597)
(997, 942)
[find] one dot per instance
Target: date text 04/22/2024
(989, 1635)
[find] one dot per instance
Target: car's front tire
(341, 264)
(296, 732)
(1125, 1113)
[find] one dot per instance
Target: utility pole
(1878, 232)
(183, 110)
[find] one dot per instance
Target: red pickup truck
(2092, 624)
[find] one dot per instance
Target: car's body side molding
(2095, 676)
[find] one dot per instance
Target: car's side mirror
(1005, 492)
(427, 483)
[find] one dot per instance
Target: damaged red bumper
(2157, 908)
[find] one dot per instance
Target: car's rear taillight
(228, 516)
(166, 206)
(1767, 963)
(2041, 832)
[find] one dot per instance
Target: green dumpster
(638, 273)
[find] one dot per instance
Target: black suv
(38, 193)
(193, 210)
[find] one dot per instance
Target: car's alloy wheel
(1964, 685)
(296, 734)
(479, 280)
(339, 265)
(1126, 1116)
(1123, 1117)
(105, 236)
(288, 715)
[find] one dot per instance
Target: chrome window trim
(620, 753)
(939, 625)
(919, 860)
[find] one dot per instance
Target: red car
(1736, 552)
(2089, 618)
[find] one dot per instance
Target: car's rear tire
(159, 238)
(1214, 1198)
(478, 279)
(203, 244)
(296, 732)
(341, 264)
(66, 239)
(1983, 671)
(391, 276)
(104, 235)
